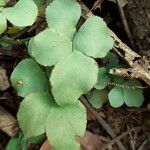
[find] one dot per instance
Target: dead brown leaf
(90, 141)
(46, 146)
(4, 83)
(8, 123)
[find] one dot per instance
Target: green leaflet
(64, 123)
(116, 97)
(103, 79)
(38, 139)
(48, 1)
(2, 3)
(97, 98)
(112, 61)
(33, 112)
(118, 80)
(3, 23)
(131, 97)
(14, 143)
(39, 114)
(48, 47)
(28, 77)
(23, 14)
(63, 15)
(17, 143)
(65, 55)
(72, 77)
(93, 38)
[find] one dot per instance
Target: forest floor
(131, 126)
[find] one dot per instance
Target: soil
(138, 17)
(3, 140)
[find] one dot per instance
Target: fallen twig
(121, 136)
(119, 47)
(97, 4)
(144, 143)
(140, 69)
(125, 24)
(139, 66)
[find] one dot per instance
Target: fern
(50, 105)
